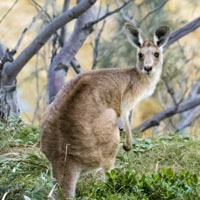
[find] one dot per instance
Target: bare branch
(184, 30)
(169, 112)
(56, 79)
(42, 10)
(97, 39)
(37, 88)
(9, 10)
(107, 15)
(125, 17)
(76, 66)
(190, 115)
(96, 45)
(99, 10)
(63, 29)
(59, 40)
(36, 5)
(194, 116)
(170, 91)
(75, 41)
(153, 11)
(12, 69)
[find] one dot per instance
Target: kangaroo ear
(161, 36)
(134, 35)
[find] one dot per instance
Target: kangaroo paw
(127, 147)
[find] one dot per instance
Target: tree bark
(57, 78)
(9, 101)
(184, 30)
(8, 94)
(189, 116)
(63, 32)
(66, 55)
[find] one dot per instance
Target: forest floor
(157, 168)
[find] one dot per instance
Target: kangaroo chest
(147, 90)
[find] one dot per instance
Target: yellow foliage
(194, 130)
(145, 110)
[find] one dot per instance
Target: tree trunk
(66, 55)
(56, 79)
(8, 93)
(9, 101)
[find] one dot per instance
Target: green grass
(23, 168)
(158, 168)
(149, 157)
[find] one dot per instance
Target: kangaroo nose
(148, 69)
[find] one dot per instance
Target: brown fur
(148, 43)
(79, 129)
(84, 120)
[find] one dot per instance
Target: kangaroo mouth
(147, 73)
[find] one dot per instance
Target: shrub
(164, 185)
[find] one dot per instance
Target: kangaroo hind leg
(70, 177)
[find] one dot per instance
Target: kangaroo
(79, 129)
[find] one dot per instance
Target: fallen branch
(169, 112)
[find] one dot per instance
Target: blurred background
(107, 46)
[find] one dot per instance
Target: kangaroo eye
(140, 55)
(156, 55)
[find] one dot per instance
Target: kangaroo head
(149, 53)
